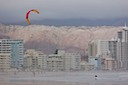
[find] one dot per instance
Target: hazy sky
(15, 10)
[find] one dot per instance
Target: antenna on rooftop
(125, 26)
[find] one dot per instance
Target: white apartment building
(5, 61)
(102, 48)
(122, 50)
(55, 62)
(72, 61)
(34, 59)
(11, 53)
(64, 61)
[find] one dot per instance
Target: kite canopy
(27, 15)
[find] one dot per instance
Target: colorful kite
(27, 15)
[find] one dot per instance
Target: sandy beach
(64, 78)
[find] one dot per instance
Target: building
(96, 61)
(5, 61)
(122, 50)
(86, 66)
(113, 49)
(11, 52)
(92, 48)
(55, 62)
(64, 61)
(61, 61)
(102, 49)
(34, 60)
(72, 61)
(110, 64)
(122, 55)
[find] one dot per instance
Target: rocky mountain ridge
(49, 38)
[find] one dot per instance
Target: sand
(64, 78)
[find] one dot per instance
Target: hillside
(49, 38)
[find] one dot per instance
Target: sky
(12, 11)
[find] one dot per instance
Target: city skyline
(102, 54)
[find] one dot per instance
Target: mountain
(49, 38)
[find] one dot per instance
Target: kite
(27, 15)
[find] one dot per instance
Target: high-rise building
(122, 49)
(103, 47)
(92, 49)
(12, 52)
(112, 49)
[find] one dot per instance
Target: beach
(64, 78)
